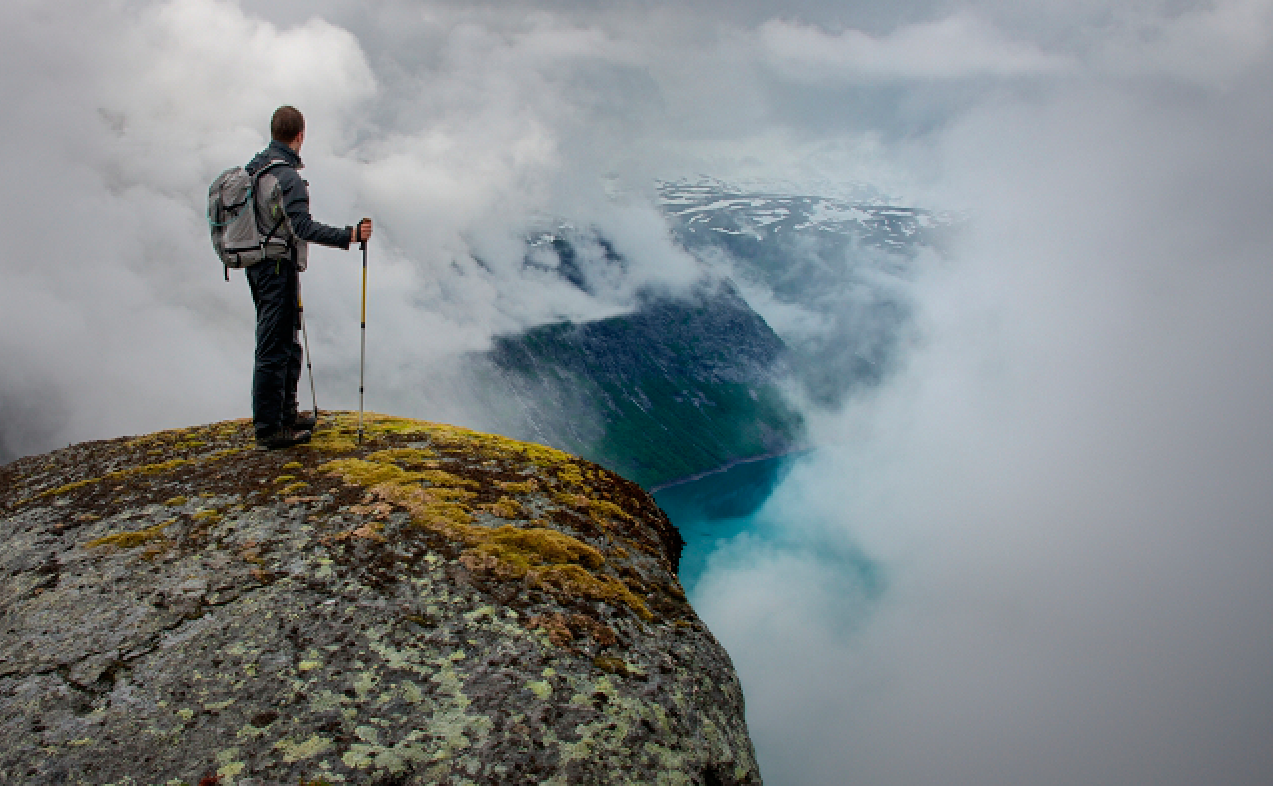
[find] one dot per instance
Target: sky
(1064, 486)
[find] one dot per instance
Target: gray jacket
(296, 197)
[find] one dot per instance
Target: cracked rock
(433, 606)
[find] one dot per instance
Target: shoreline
(727, 466)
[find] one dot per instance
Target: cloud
(1063, 491)
(1205, 46)
(959, 46)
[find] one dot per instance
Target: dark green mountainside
(678, 387)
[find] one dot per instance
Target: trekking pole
(362, 355)
(300, 310)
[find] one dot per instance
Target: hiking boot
(283, 438)
(304, 421)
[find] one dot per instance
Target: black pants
(275, 291)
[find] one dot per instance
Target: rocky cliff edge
(434, 605)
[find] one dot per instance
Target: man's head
(288, 126)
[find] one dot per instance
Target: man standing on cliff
(275, 288)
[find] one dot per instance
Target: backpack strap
(256, 176)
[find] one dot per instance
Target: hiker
(275, 285)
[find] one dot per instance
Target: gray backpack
(247, 218)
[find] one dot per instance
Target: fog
(1037, 553)
(1064, 494)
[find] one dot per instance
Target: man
(275, 285)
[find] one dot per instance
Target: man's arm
(296, 203)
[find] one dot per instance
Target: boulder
(431, 606)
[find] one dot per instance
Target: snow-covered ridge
(714, 206)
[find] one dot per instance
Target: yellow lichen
(578, 501)
(525, 487)
(293, 465)
(68, 487)
(573, 580)
(505, 508)
(375, 424)
(407, 457)
(332, 442)
(341, 431)
(129, 540)
(439, 478)
(570, 475)
(448, 518)
(291, 488)
(146, 469)
(444, 494)
(433, 508)
(599, 510)
(284, 479)
(176, 502)
(493, 446)
(541, 688)
(520, 550)
(605, 509)
(207, 516)
(294, 750)
(360, 472)
(153, 469)
(547, 558)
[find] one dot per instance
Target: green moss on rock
(421, 608)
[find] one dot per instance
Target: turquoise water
(718, 507)
(715, 510)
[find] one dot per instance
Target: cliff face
(677, 387)
(434, 606)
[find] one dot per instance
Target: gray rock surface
(433, 606)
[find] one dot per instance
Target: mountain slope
(683, 385)
(833, 273)
(677, 387)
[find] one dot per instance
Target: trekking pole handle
(362, 243)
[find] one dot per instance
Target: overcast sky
(1066, 490)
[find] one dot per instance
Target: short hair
(287, 124)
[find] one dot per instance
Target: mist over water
(1036, 551)
(712, 510)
